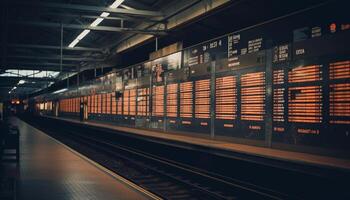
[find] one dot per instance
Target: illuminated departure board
(339, 70)
(96, 103)
(99, 110)
(305, 74)
(279, 104)
(339, 95)
(186, 98)
(304, 104)
(108, 102)
(143, 102)
(89, 103)
(253, 96)
(113, 104)
(206, 52)
(172, 100)
(104, 103)
(202, 100)
(126, 100)
(132, 103)
(305, 100)
(120, 106)
(226, 98)
(158, 101)
(93, 100)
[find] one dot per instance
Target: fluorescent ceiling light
(83, 34)
(72, 44)
(20, 82)
(95, 23)
(60, 91)
(104, 14)
(116, 3)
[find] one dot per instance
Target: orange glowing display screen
(143, 102)
(339, 95)
(186, 99)
(226, 98)
(171, 107)
(126, 100)
(253, 96)
(158, 101)
(305, 100)
(202, 101)
(132, 103)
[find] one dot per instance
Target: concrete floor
(48, 170)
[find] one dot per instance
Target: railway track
(166, 178)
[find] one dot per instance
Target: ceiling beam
(41, 63)
(29, 85)
(56, 68)
(56, 57)
(97, 28)
(36, 79)
(120, 18)
(90, 8)
(33, 46)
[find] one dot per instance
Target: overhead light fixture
(72, 44)
(20, 82)
(95, 23)
(104, 14)
(116, 3)
(83, 34)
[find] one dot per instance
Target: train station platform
(217, 146)
(50, 170)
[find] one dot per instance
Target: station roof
(46, 41)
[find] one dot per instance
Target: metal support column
(156, 44)
(4, 34)
(165, 103)
(78, 79)
(136, 101)
(67, 80)
(269, 100)
(212, 98)
(61, 49)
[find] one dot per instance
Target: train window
(202, 100)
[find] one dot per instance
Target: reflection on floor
(48, 170)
